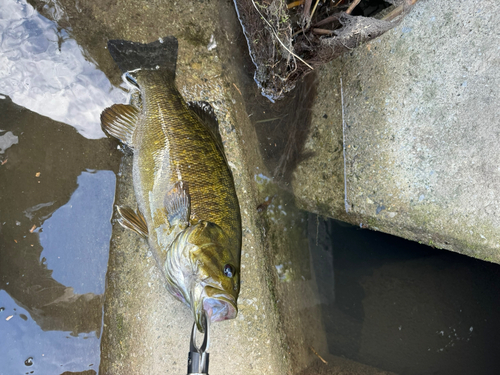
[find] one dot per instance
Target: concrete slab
(146, 331)
(417, 113)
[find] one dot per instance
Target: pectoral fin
(119, 121)
(177, 205)
(132, 220)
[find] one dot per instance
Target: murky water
(374, 299)
(341, 292)
(404, 307)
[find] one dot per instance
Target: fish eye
(229, 270)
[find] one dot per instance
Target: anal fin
(119, 121)
(132, 220)
(177, 204)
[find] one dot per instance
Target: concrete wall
(417, 113)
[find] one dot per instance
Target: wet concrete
(417, 114)
(281, 327)
(145, 329)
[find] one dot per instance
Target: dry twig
(322, 31)
(236, 87)
(352, 6)
(320, 357)
(295, 4)
(307, 8)
(326, 20)
(314, 9)
(398, 10)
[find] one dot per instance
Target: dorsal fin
(207, 115)
(119, 121)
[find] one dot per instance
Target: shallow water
(376, 299)
(345, 292)
(57, 184)
(45, 71)
(407, 308)
(56, 198)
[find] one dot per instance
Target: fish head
(203, 268)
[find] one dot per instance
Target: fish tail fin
(160, 54)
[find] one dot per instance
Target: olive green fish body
(187, 204)
(171, 144)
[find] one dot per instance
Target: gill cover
(195, 269)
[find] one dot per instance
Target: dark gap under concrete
(404, 307)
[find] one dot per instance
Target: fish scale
(193, 153)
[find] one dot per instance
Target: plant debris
(320, 357)
(288, 39)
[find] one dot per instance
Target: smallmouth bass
(187, 206)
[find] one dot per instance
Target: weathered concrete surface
(146, 331)
(421, 128)
(154, 335)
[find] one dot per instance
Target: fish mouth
(217, 304)
(219, 309)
